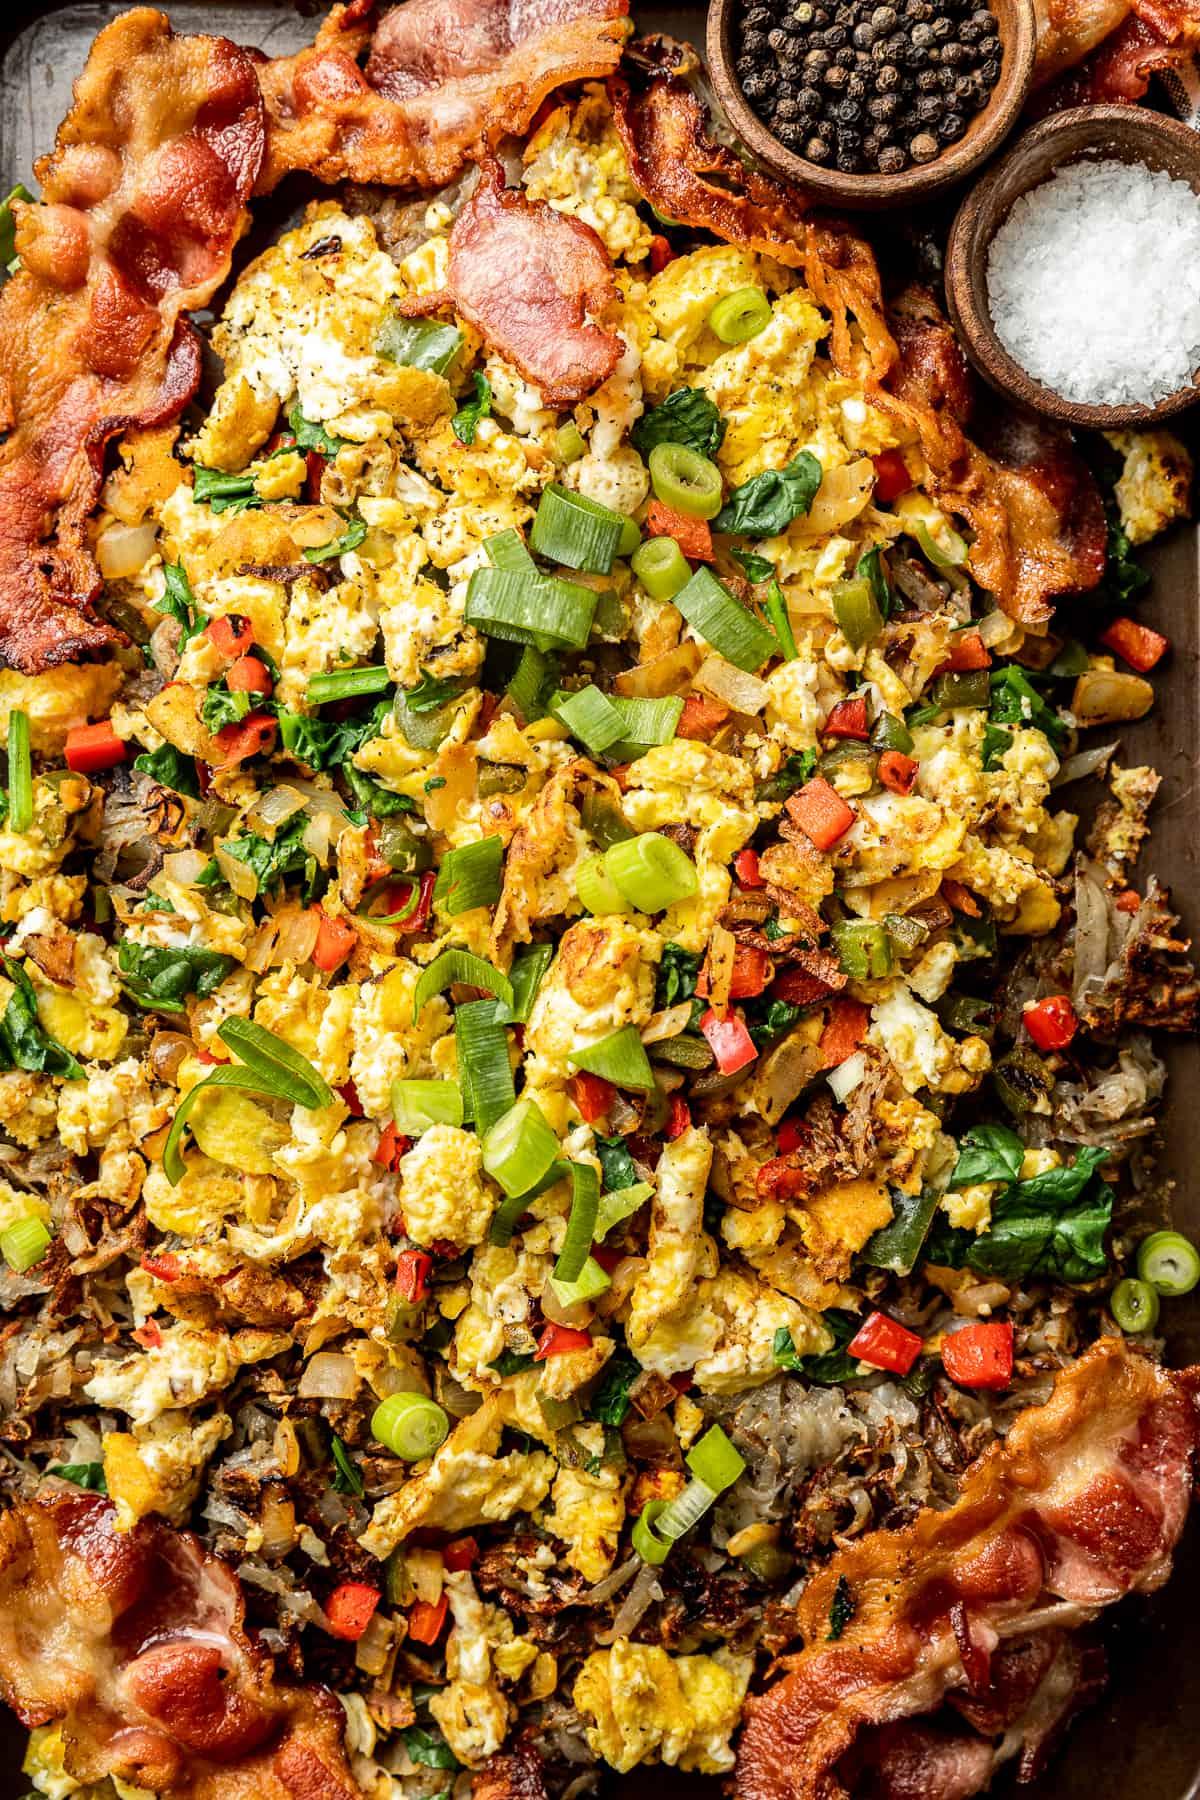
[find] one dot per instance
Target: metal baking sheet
(1143, 1741)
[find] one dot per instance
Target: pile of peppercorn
(866, 88)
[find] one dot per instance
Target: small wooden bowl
(1130, 134)
(1018, 31)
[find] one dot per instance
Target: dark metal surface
(1143, 1741)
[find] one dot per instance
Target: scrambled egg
(1155, 485)
(644, 1705)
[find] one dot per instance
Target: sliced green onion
(577, 532)
(970, 687)
(469, 877)
(569, 443)
(890, 733)
(506, 550)
(952, 557)
(24, 1243)
(459, 966)
(864, 948)
(631, 537)
(1169, 1263)
(621, 1204)
(651, 871)
(533, 681)
(647, 723)
(418, 343)
(686, 481)
(272, 1060)
(581, 1224)
(597, 889)
(484, 1069)
(780, 621)
(725, 623)
(715, 1461)
(227, 1076)
(686, 1510)
(588, 1285)
(649, 1547)
(530, 609)
(411, 1425)
(1134, 1305)
(519, 1148)
(620, 1058)
(346, 684)
(416, 1105)
(20, 772)
(661, 567)
(526, 976)
(740, 316)
(589, 716)
(604, 821)
(855, 609)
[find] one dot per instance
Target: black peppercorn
(816, 60)
(919, 12)
(761, 15)
(923, 148)
(756, 87)
(951, 126)
(818, 150)
(791, 133)
(844, 16)
(846, 112)
(928, 109)
(969, 32)
(754, 43)
(808, 102)
(892, 160)
(888, 78)
(989, 46)
(864, 36)
(777, 39)
(953, 56)
(942, 29)
(927, 81)
(883, 106)
(846, 59)
(856, 88)
(835, 37)
(884, 18)
(984, 19)
(871, 146)
(787, 107)
(835, 78)
(990, 70)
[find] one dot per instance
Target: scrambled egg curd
(509, 977)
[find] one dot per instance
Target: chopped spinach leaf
(350, 539)
(1015, 701)
(24, 1042)
(220, 708)
(871, 570)
(85, 1475)
(170, 768)
(467, 418)
(766, 504)
(179, 601)
(772, 1021)
(685, 417)
(429, 1747)
(431, 693)
(841, 1609)
(160, 977)
(511, 1362)
(271, 860)
(678, 972)
(310, 436)
(347, 1476)
(616, 1164)
(754, 567)
(1052, 1225)
(796, 769)
(224, 493)
(611, 1400)
(828, 1367)
(988, 1153)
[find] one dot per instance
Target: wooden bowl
(1017, 29)
(1129, 134)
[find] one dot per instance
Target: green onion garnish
(951, 556)
(346, 684)
(863, 947)
(649, 1547)
(1134, 1305)
(227, 1076)
(533, 682)
(418, 343)
(581, 1224)
(620, 1058)
(20, 772)
(459, 966)
(661, 567)
(589, 716)
(651, 871)
(272, 1060)
(621, 1204)
(411, 1425)
(577, 532)
(8, 227)
(1169, 1262)
(526, 976)
(686, 481)
(416, 1105)
(506, 550)
(469, 877)
(569, 443)
(588, 1285)
(714, 1460)
(24, 1243)
(858, 616)
(647, 723)
(520, 1148)
(724, 622)
(530, 609)
(781, 624)
(740, 316)
(597, 889)
(483, 1066)
(687, 1509)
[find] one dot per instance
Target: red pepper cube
(897, 771)
(413, 1269)
(891, 476)
(848, 719)
(93, 747)
(980, 1356)
(729, 1041)
(820, 812)
(426, 1618)
(593, 1095)
(885, 1344)
(967, 651)
(1135, 644)
(350, 1609)
(556, 1340)
(745, 867)
(1052, 1022)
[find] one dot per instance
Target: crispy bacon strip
(528, 277)
(444, 79)
(1120, 42)
(978, 1606)
(143, 200)
(135, 1641)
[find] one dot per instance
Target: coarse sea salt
(1094, 283)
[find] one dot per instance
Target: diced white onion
(1084, 763)
(667, 1024)
(239, 875)
(845, 1078)
(733, 687)
(121, 550)
(994, 627)
(374, 1646)
(328, 1376)
(183, 866)
(274, 807)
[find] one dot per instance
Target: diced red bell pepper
(799, 987)
(463, 1553)
(280, 440)
(557, 1340)
(426, 1618)
(92, 747)
(232, 635)
(967, 651)
(253, 736)
(844, 1032)
(678, 1120)
(751, 973)
(960, 898)
(164, 1267)
(149, 1335)
(607, 1255)
(783, 1178)
(820, 812)
(249, 675)
(891, 476)
(897, 771)
(336, 938)
(413, 1269)
(314, 470)
(980, 1356)
(745, 867)
(396, 899)
(350, 1609)
(593, 1095)
(729, 1041)
(1052, 1022)
(391, 1147)
(791, 1135)
(885, 1344)
(701, 717)
(692, 535)
(1136, 644)
(1128, 901)
(848, 719)
(661, 254)
(349, 1093)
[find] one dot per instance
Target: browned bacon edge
(135, 1641)
(1097, 50)
(142, 201)
(966, 1625)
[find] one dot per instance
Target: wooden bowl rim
(966, 258)
(1016, 17)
